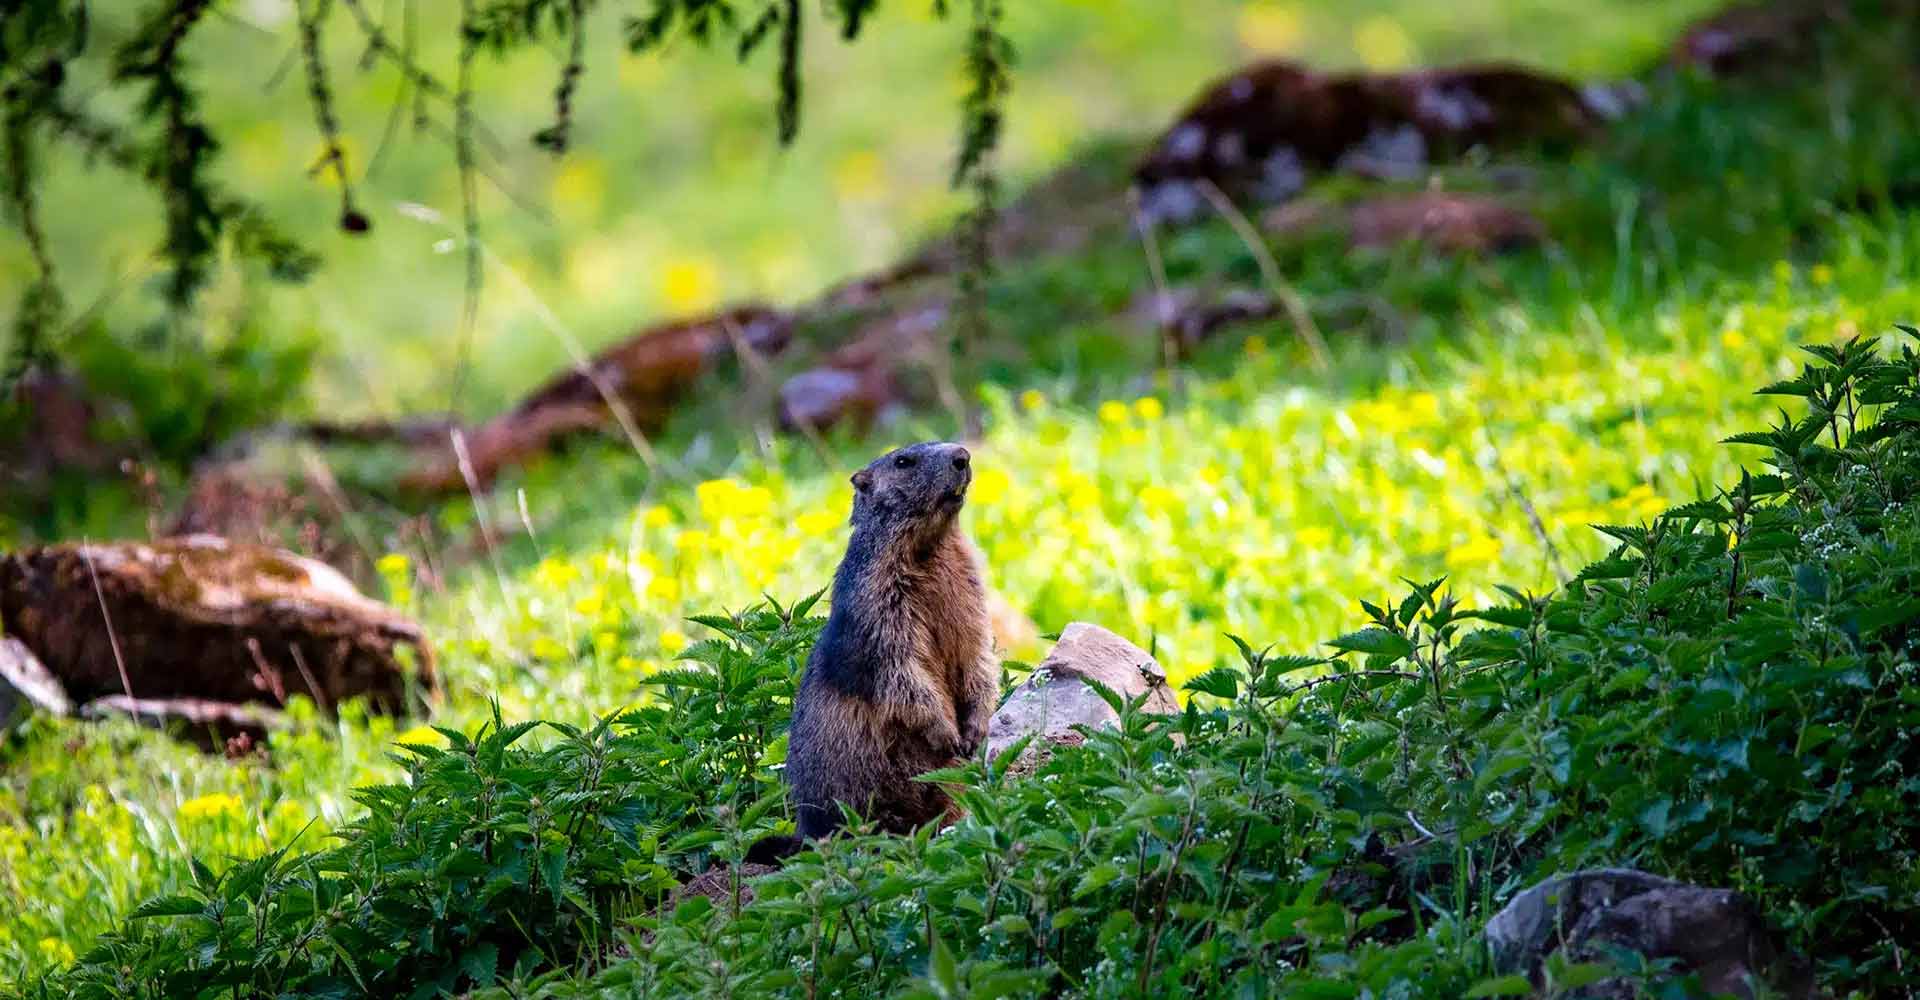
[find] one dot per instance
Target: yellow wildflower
(56, 950)
(690, 285)
(1382, 43)
(1478, 550)
(393, 564)
(423, 736)
(990, 485)
(820, 522)
(657, 517)
(1113, 412)
(673, 640)
(555, 574)
(1148, 408)
(720, 499)
(1821, 274)
(1270, 28)
(1159, 499)
(210, 806)
(1732, 339)
(1032, 400)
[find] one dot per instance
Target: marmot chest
(946, 605)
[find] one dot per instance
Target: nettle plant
(1728, 697)
(494, 858)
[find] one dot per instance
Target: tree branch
(313, 15)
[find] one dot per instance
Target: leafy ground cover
(1516, 402)
(1725, 696)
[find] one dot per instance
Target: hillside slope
(1478, 414)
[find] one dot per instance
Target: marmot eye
(903, 461)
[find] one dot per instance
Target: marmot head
(921, 485)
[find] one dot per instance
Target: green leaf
(1220, 682)
(1791, 387)
(479, 962)
(1880, 616)
(1609, 569)
(203, 877)
(806, 604)
(1374, 642)
(1572, 977)
(1500, 767)
(943, 971)
(1699, 510)
(1504, 986)
(1107, 694)
(169, 906)
(1510, 617)
(1096, 878)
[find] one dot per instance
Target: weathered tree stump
(203, 618)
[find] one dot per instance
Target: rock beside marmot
(903, 679)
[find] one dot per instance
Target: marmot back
(903, 679)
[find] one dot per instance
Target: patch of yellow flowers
(1234, 507)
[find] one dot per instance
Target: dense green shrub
(1727, 698)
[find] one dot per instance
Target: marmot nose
(961, 458)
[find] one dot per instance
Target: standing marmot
(903, 679)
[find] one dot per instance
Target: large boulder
(1588, 916)
(1057, 698)
(204, 618)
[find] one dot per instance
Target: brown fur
(904, 679)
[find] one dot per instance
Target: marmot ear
(862, 480)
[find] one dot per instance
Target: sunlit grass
(1173, 515)
(1522, 400)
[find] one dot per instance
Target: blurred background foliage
(675, 195)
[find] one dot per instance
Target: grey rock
(1056, 698)
(1715, 934)
(1533, 925)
